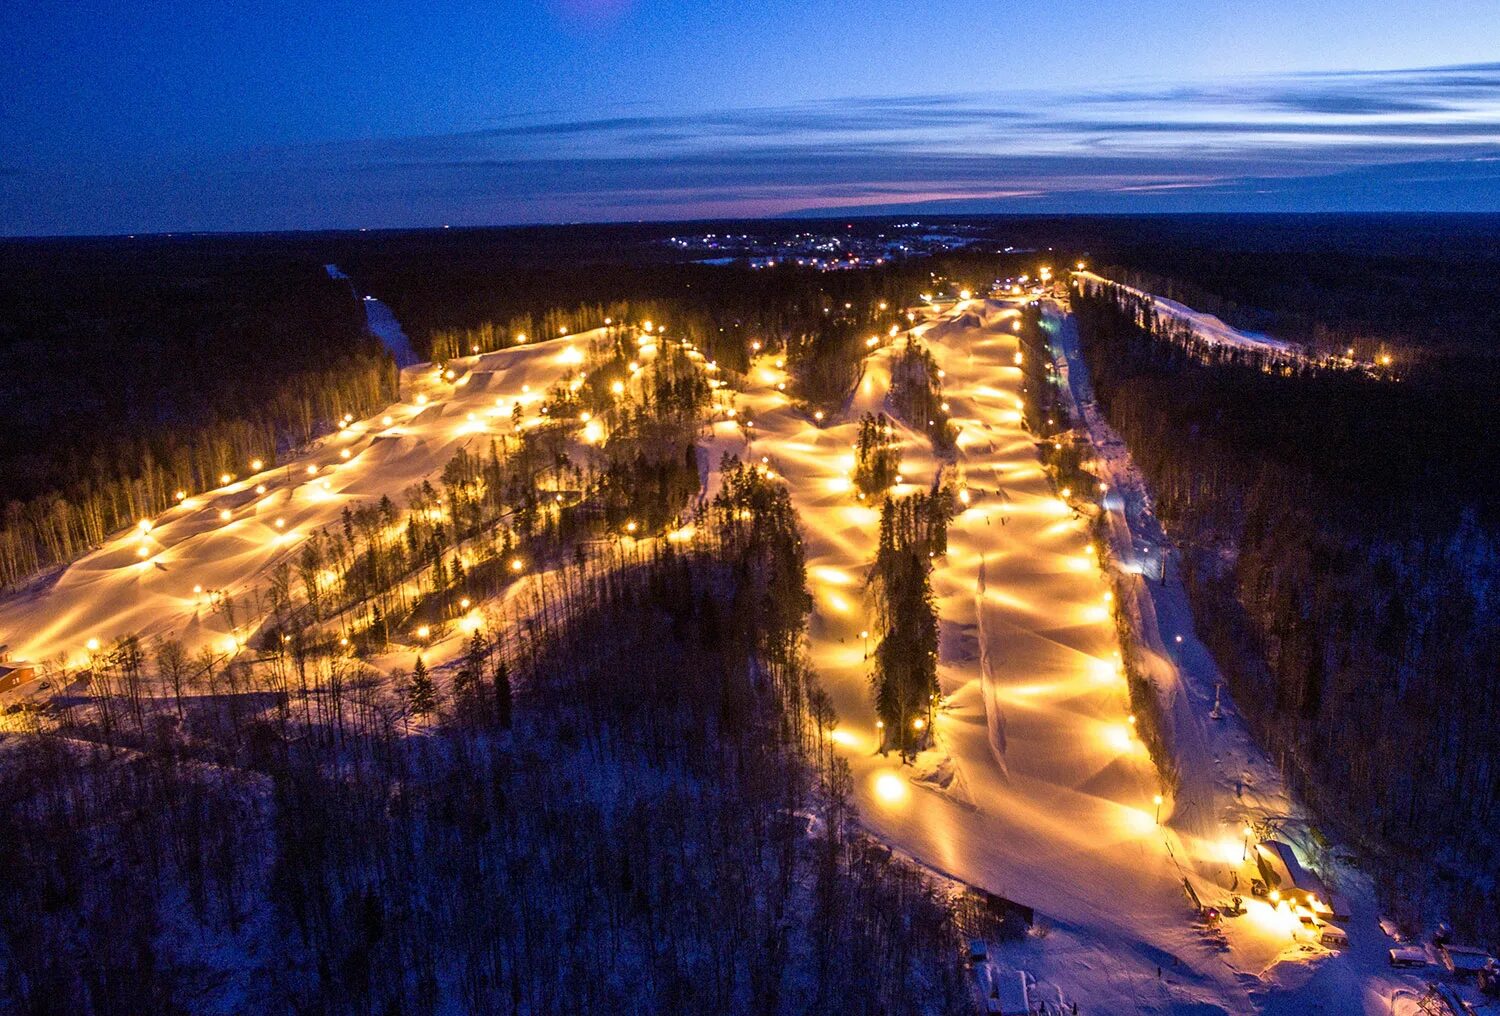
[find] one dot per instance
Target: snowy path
(384, 326)
(381, 322)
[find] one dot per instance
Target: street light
(1158, 800)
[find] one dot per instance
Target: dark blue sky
(166, 115)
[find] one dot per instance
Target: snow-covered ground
(384, 326)
(1226, 780)
(165, 579)
(1062, 816)
(1037, 789)
(382, 323)
(1209, 328)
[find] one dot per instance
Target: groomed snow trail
(1066, 824)
(381, 322)
(194, 549)
(1037, 789)
(1210, 328)
(1226, 779)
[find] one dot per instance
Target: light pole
(866, 636)
(1158, 800)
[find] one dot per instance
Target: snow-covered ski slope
(1063, 818)
(1208, 327)
(165, 579)
(1226, 780)
(1037, 789)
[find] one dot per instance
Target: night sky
(165, 115)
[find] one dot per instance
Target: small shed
(1464, 960)
(15, 674)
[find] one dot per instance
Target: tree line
(913, 530)
(138, 372)
(1340, 548)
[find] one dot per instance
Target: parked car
(1334, 938)
(1408, 956)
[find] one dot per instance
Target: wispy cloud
(1303, 140)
